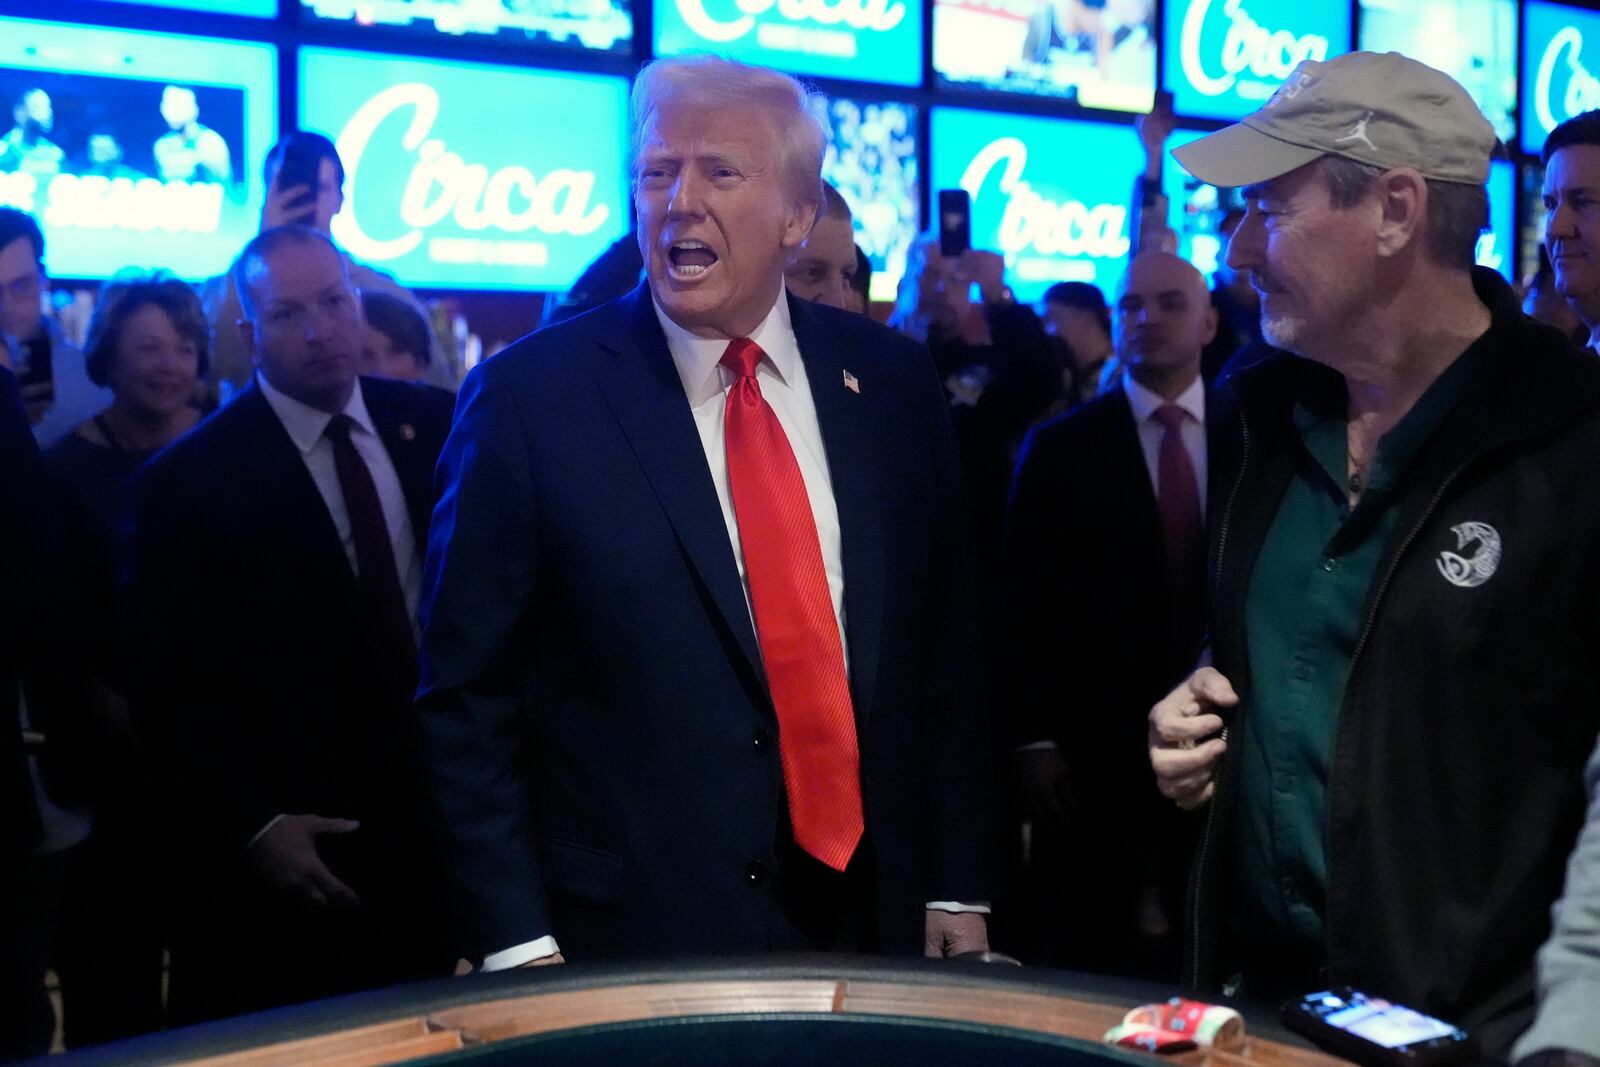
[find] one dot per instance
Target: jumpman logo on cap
(1358, 132)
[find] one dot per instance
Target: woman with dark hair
(148, 342)
(102, 930)
(397, 338)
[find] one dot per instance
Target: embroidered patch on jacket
(1476, 558)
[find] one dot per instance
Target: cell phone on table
(955, 222)
(300, 164)
(1377, 1032)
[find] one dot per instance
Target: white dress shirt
(307, 428)
(787, 390)
(784, 386)
(1145, 404)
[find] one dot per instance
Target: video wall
(448, 185)
(135, 148)
(1094, 57)
(485, 140)
(578, 24)
(1053, 221)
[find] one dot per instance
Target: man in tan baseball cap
(1384, 110)
(1389, 805)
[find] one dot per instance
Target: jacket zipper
(1211, 807)
(1361, 645)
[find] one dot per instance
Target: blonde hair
(715, 83)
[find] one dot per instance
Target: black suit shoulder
(558, 359)
(415, 401)
(1061, 441)
(206, 450)
(426, 409)
(869, 338)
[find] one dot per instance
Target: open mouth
(690, 259)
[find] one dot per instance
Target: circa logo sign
(1033, 222)
(1563, 57)
(1267, 55)
(442, 185)
(873, 15)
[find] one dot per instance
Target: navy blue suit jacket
(597, 733)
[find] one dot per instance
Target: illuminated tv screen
(1196, 210)
(872, 160)
(261, 9)
(1096, 56)
(135, 149)
(464, 175)
(1531, 216)
(863, 40)
(1033, 199)
(1497, 246)
(1473, 41)
(1559, 68)
(1222, 59)
(597, 24)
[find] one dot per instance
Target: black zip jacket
(1455, 790)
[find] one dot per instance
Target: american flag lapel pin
(851, 384)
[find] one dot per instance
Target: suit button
(763, 739)
(755, 873)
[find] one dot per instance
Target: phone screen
(955, 222)
(1392, 1026)
(298, 165)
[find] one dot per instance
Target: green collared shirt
(1304, 615)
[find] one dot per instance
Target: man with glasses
(55, 385)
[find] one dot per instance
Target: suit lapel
(410, 461)
(642, 388)
(847, 437)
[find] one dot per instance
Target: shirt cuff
(517, 955)
(957, 907)
(1037, 746)
(1566, 1020)
(276, 819)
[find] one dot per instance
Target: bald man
(1104, 564)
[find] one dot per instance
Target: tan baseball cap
(1382, 109)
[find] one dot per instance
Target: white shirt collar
(304, 423)
(698, 358)
(1146, 403)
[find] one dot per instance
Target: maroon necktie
(378, 577)
(1178, 494)
(795, 622)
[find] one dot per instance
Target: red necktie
(795, 623)
(1178, 494)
